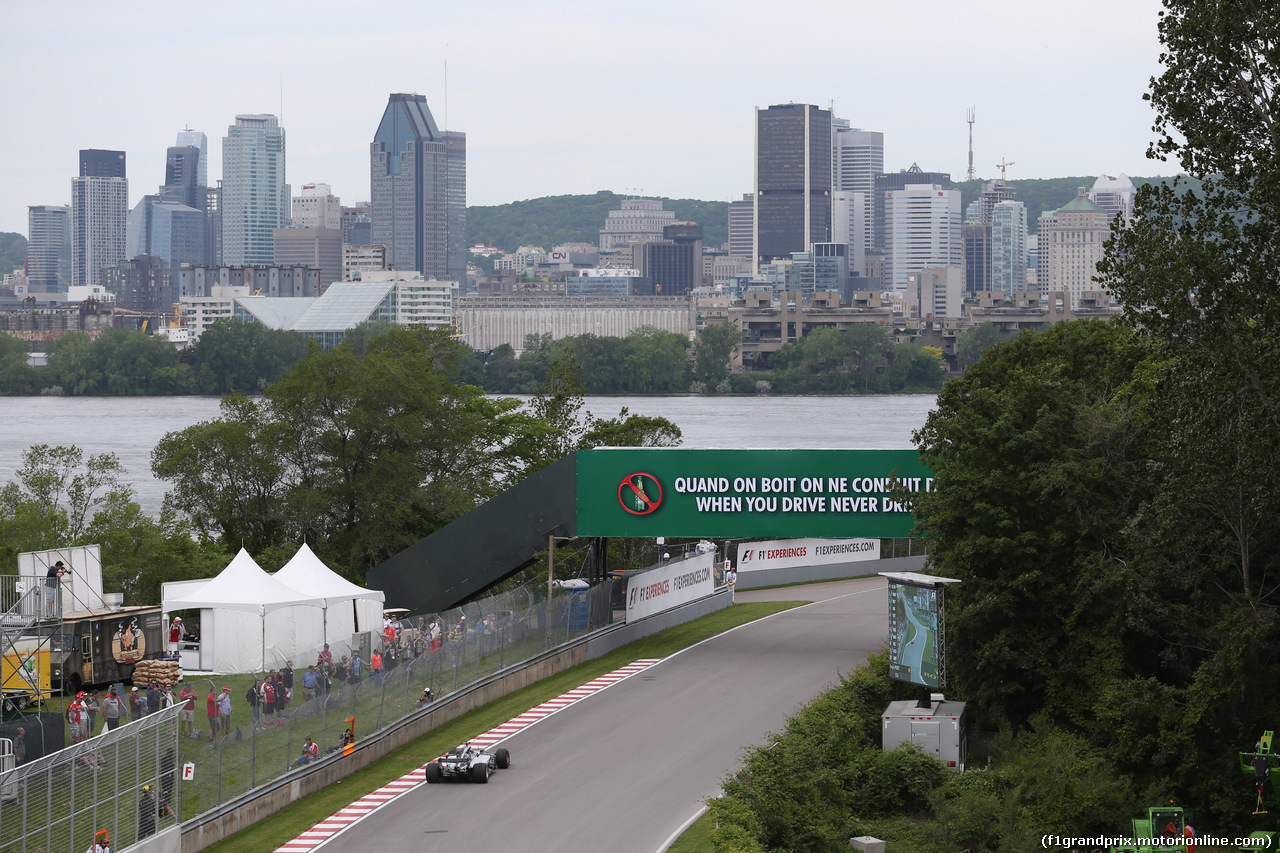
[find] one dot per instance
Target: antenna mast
(970, 175)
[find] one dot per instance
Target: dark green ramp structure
(485, 546)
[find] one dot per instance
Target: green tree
(556, 409)
(17, 377)
(229, 476)
(1040, 463)
(130, 361)
(74, 366)
(628, 430)
(974, 341)
(361, 455)
(716, 345)
(1195, 270)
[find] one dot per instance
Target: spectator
(325, 657)
(20, 746)
(251, 697)
(136, 708)
(269, 696)
(286, 678)
(309, 684)
(212, 712)
(112, 710)
(154, 698)
(91, 709)
(224, 710)
(75, 713)
(175, 634)
(187, 716)
(356, 663)
(52, 580)
(310, 752)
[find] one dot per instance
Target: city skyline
(539, 98)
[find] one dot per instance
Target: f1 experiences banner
(829, 494)
(664, 588)
(785, 553)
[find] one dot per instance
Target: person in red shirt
(269, 696)
(187, 714)
(213, 713)
(175, 633)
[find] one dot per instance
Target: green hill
(557, 219)
(13, 252)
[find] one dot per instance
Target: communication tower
(971, 174)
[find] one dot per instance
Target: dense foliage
(825, 778)
(1104, 492)
(553, 220)
(60, 498)
(13, 252)
(860, 359)
(230, 356)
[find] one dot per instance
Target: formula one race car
(468, 764)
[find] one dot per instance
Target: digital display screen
(914, 650)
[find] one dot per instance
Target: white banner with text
(679, 583)
(791, 553)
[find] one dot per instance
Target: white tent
(245, 616)
(347, 608)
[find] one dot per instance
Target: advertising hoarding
(663, 491)
(788, 553)
(678, 583)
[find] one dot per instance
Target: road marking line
(326, 830)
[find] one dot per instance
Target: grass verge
(697, 838)
(305, 813)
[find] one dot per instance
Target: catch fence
(121, 783)
(473, 642)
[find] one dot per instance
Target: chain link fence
(438, 652)
(121, 783)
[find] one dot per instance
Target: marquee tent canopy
(347, 609)
(243, 585)
(246, 616)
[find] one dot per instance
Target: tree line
(237, 356)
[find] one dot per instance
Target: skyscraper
(255, 196)
(196, 139)
(418, 177)
(182, 177)
(1009, 246)
(923, 231)
(316, 207)
(48, 248)
(793, 180)
(99, 211)
(887, 183)
(857, 156)
(1071, 244)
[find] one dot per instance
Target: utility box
(939, 729)
(866, 844)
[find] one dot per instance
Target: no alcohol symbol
(640, 494)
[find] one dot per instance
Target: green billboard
(664, 491)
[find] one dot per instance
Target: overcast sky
(560, 96)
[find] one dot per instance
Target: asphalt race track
(626, 768)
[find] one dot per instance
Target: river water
(131, 426)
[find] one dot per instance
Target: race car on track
(468, 764)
